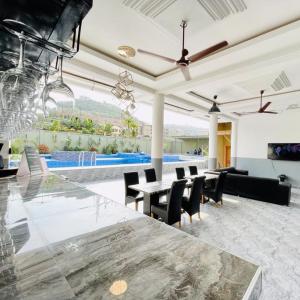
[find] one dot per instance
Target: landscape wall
(57, 140)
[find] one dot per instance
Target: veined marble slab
(72, 243)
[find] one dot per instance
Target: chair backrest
(193, 170)
(131, 178)
(180, 173)
(150, 175)
(174, 201)
(219, 186)
(196, 192)
(1, 162)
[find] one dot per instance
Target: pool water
(110, 159)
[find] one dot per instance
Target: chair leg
(191, 220)
(199, 215)
(202, 199)
(179, 224)
(152, 216)
(136, 206)
(221, 201)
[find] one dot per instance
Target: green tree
(107, 129)
(74, 123)
(55, 125)
(131, 126)
(89, 125)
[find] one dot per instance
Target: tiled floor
(266, 234)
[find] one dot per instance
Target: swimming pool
(107, 159)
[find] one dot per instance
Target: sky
(143, 111)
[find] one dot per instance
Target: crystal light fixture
(123, 92)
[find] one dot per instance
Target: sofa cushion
(258, 188)
(231, 183)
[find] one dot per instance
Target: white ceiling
(263, 42)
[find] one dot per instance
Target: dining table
(154, 190)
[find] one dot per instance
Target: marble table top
(61, 241)
(164, 185)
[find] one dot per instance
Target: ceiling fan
(262, 108)
(184, 62)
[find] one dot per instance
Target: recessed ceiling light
(126, 51)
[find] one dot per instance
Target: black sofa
(237, 182)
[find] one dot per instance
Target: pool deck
(61, 241)
(98, 173)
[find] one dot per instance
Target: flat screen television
(284, 151)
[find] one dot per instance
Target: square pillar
(157, 134)
(213, 142)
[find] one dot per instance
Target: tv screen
(282, 151)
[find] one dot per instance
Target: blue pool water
(111, 159)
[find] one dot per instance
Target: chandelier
(123, 91)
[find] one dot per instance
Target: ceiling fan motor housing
(183, 61)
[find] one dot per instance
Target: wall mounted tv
(284, 151)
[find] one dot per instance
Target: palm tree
(107, 129)
(131, 126)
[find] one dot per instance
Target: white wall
(254, 134)
(256, 131)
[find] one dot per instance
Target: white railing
(93, 156)
(81, 158)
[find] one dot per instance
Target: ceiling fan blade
(186, 72)
(269, 112)
(245, 113)
(263, 108)
(207, 51)
(171, 60)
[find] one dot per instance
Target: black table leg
(149, 199)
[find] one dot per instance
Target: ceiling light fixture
(123, 93)
(214, 109)
(126, 51)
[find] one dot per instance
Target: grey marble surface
(60, 241)
(264, 233)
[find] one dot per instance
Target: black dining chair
(216, 192)
(191, 204)
(130, 194)
(180, 173)
(1, 162)
(170, 212)
(150, 175)
(193, 170)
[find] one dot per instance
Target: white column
(157, 134)
(234, 129)
(213, 141)
(5, 152)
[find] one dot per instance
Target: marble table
(61, 241)
(153, 190)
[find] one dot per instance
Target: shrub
(127, 150)
(67, 146)
(17, 146)
(43, 149)
(93, 149)
(110, 148)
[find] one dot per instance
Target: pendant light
(214, 109)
